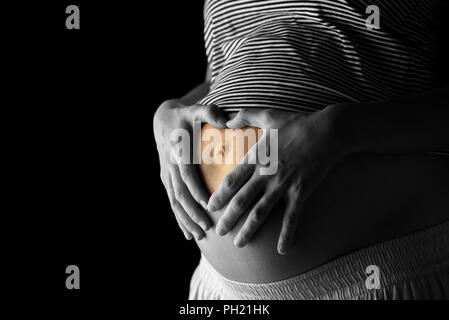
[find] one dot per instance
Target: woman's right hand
(181, 180)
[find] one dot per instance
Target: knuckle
(186, 174)
(296, 188)
(301, 185)
(257, 215)
(268, 116)
(238, 204)
(196, 117)
(174, 205)
(230, 181)
(290, 220)
(178, 195)
(280, 179)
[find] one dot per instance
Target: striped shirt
(305, 55)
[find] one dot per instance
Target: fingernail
(210, 207)
(204, 226)
(282, 249)
(188, 236)
(198, 236)
(239, 243)
(203, 204)
(220, 231)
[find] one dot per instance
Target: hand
(308, 148)
(181, 180)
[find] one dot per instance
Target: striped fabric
(304, 55)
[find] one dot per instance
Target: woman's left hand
(308, 148)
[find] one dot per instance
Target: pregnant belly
(366, 199)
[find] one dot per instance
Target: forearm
(405, 125)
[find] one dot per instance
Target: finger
(256, 217)
(229, 186)
(186, 221)
(184, 218)
(168, 186)
(170, 192)
(248, 117)
(189, 174)
(238, 205)
(184, 197)
(290, 220)
(187, 234)
(233, 181)
(209, 114)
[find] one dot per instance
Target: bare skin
(310, 146)
(213, 173)
(364, 200)
(388, 185)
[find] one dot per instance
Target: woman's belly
(366, 199)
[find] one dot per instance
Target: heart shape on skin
(225, 153)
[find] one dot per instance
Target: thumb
(249, 117)
(210, 114)
(241, 120)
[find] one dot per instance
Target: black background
(88, 171)
(84, 161)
